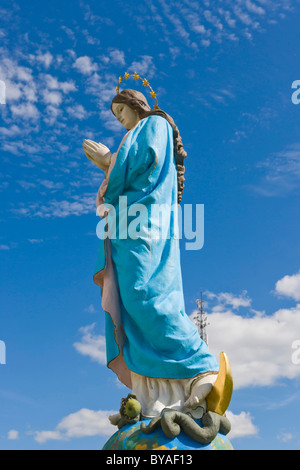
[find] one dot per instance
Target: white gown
(157, 394)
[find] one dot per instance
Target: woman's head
(127, 116)
(130, 106)
(134, 99)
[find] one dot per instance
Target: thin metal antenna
(201, 319)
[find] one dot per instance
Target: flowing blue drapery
(161, 341)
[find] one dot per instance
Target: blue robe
(160, 339)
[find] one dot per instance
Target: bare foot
(196, 404)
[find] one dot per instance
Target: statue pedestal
(130, 437)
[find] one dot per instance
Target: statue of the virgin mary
(152, 345)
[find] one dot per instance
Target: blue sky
(224, 71)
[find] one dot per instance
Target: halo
(146, 84)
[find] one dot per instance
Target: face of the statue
(127, 116)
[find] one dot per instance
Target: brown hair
(137, 101)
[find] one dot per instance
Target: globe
(130, 437)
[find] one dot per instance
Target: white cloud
(25, 111)
(27, 185)
(52, 83)
(29, 92)
(281, 173)
(289, 286)
(11, 131)
(4, 248)
(195, 23)
(242, 425)
(86, 423)
(77, 206)
(51, 185)
(226, 298)
(69, 32)
(35, 241)
(253, 8)
(52, 114)
(259, 346)
(285, 436)
(90, 309)
(85, 65)
(67, 87)
(83, 423)
(43, 436)
(10, 70)
(52, 97)
(45, 59)
(13, 91)
(103, 87)
(92, 345)
(31, 95)
(89, 16)
(13, 435)
(145, 66)
(24, 74)
(110, 121)
(77, 111)
(117, 57)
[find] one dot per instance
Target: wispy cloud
(13, 435)
(25, 111)
(77, 111)
(92, 345)
(4, 248)
(280, 173)
(8, 246)
(45, 58)
(76, 206)
(90, 309)
(30, 92)
(242, 425)
(85, 65)
(289, 286)
(285, 436)
(197, 24)
(83, 423)
(114, 57)
(259, 346)
(144, 66)
(228, 299)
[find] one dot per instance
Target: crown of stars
(146, 84)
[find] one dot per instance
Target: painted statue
(152, 345)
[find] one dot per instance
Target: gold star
(156, 106)
(127, 75)
(153, 94)
(136, 76)
(145, 83)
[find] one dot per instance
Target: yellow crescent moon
(219, 398)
